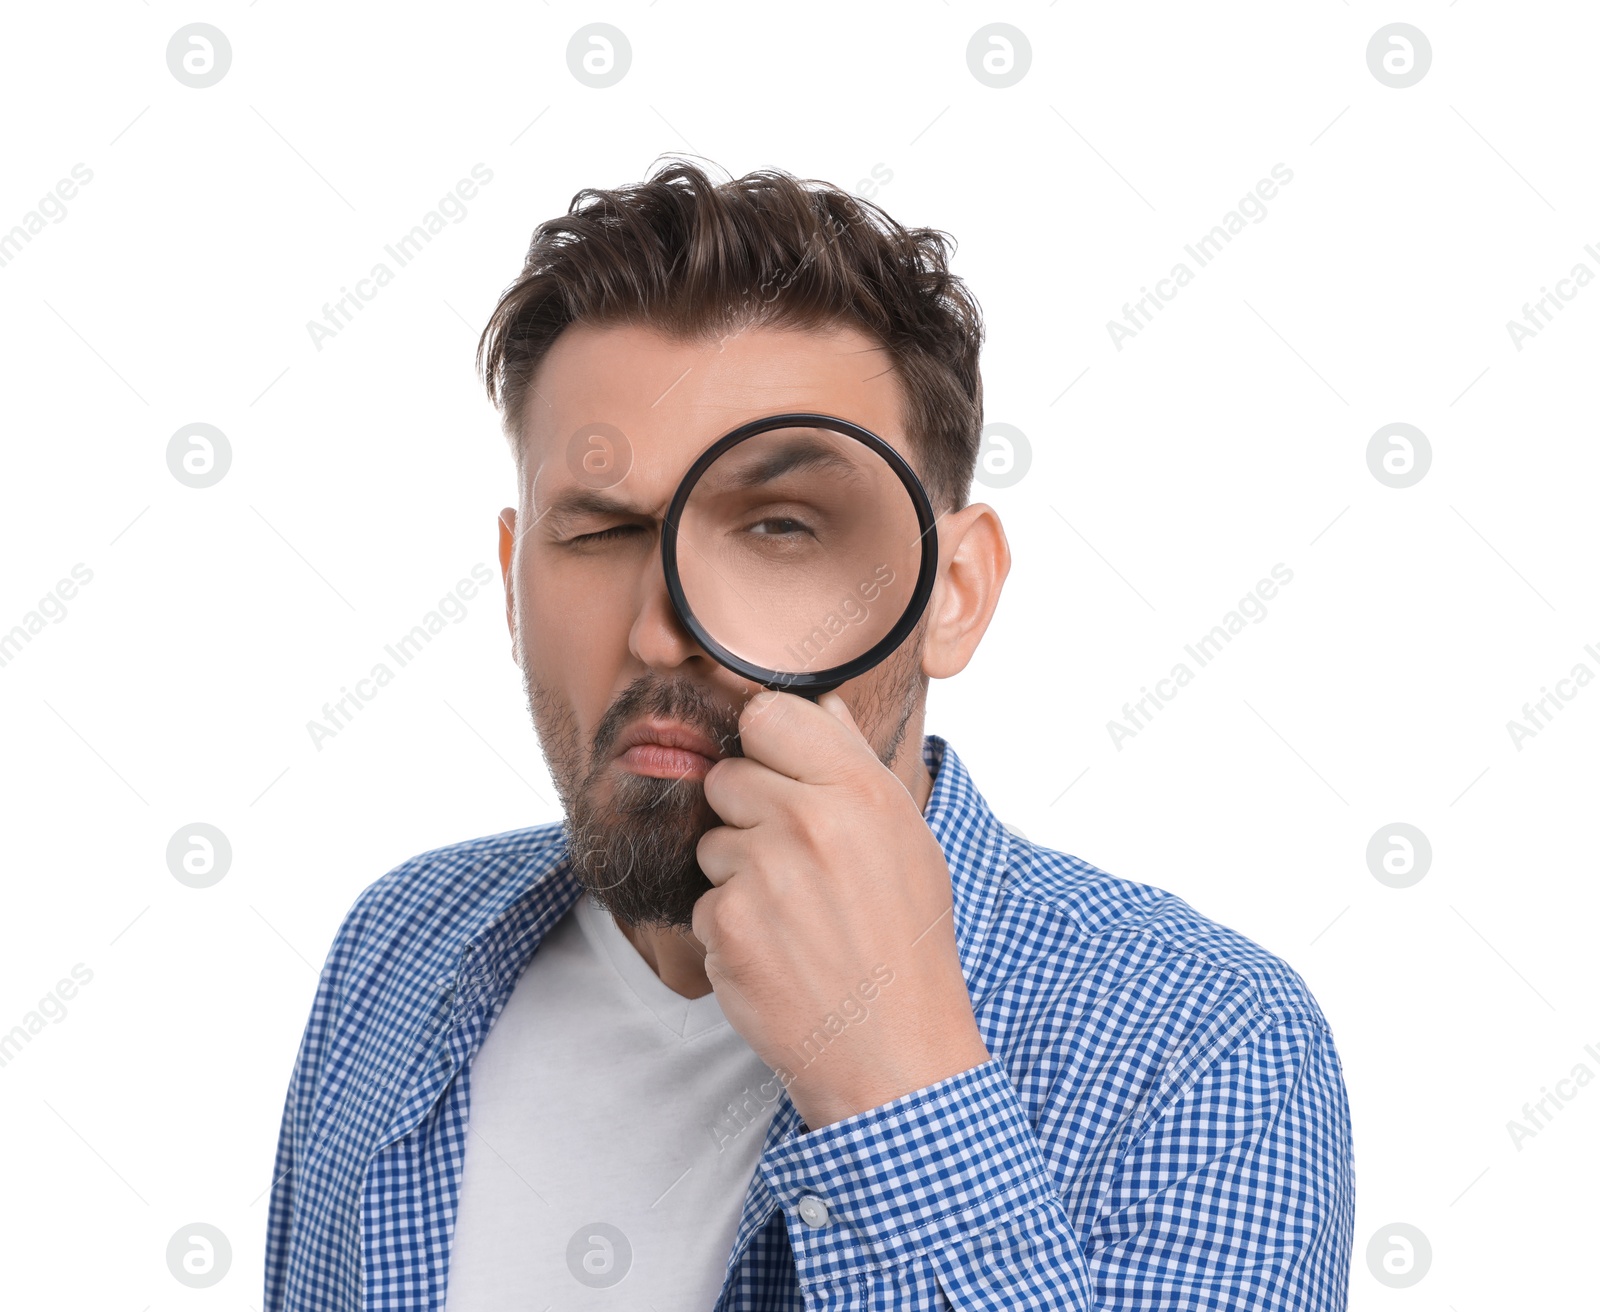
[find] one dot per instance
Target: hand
(829, 936)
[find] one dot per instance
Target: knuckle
(706, 846)
(724, 918)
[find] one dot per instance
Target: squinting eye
(615, 531)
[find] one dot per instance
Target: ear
(974, 559)
(508, 541)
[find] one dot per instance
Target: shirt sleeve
(280, 1208)
(294, 1130)
(1234, 1189)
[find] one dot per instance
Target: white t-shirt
(614, 1129)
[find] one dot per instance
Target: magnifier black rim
(817, 681)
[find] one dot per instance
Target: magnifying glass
(799, 550)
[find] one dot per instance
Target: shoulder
(462, 873)
(434, 901)
(385, 976)
(1124, 1004)
(1102, 937)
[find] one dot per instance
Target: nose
(658, 638)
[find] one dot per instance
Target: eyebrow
(578, 502)
(795, 453)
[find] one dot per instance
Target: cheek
(573, 632)
(878, 697)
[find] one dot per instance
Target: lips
(666, 749)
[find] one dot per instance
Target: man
(780, 1015)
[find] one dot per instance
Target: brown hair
(693, 259)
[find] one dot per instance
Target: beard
(633, 840)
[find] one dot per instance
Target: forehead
(662, 400)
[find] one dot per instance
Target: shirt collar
(976, 846)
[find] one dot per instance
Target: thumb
(836, 706)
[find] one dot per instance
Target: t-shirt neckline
(685, 1017)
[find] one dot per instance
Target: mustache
(676, 699)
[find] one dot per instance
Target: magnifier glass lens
(798, 549)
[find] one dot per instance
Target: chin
(633, 839)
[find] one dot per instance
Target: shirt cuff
(931, 1169)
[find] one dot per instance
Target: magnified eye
(784, 526)
(796, 547)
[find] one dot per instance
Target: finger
(700, 919)
(745, 792)
(801, 739)
(722, 853)
(836, 706)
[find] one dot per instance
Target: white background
(1166, 478)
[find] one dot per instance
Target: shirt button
(813, 1211)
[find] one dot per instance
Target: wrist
(822, 1103)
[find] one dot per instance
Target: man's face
(629, 710)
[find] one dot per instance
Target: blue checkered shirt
(1162, 1123)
